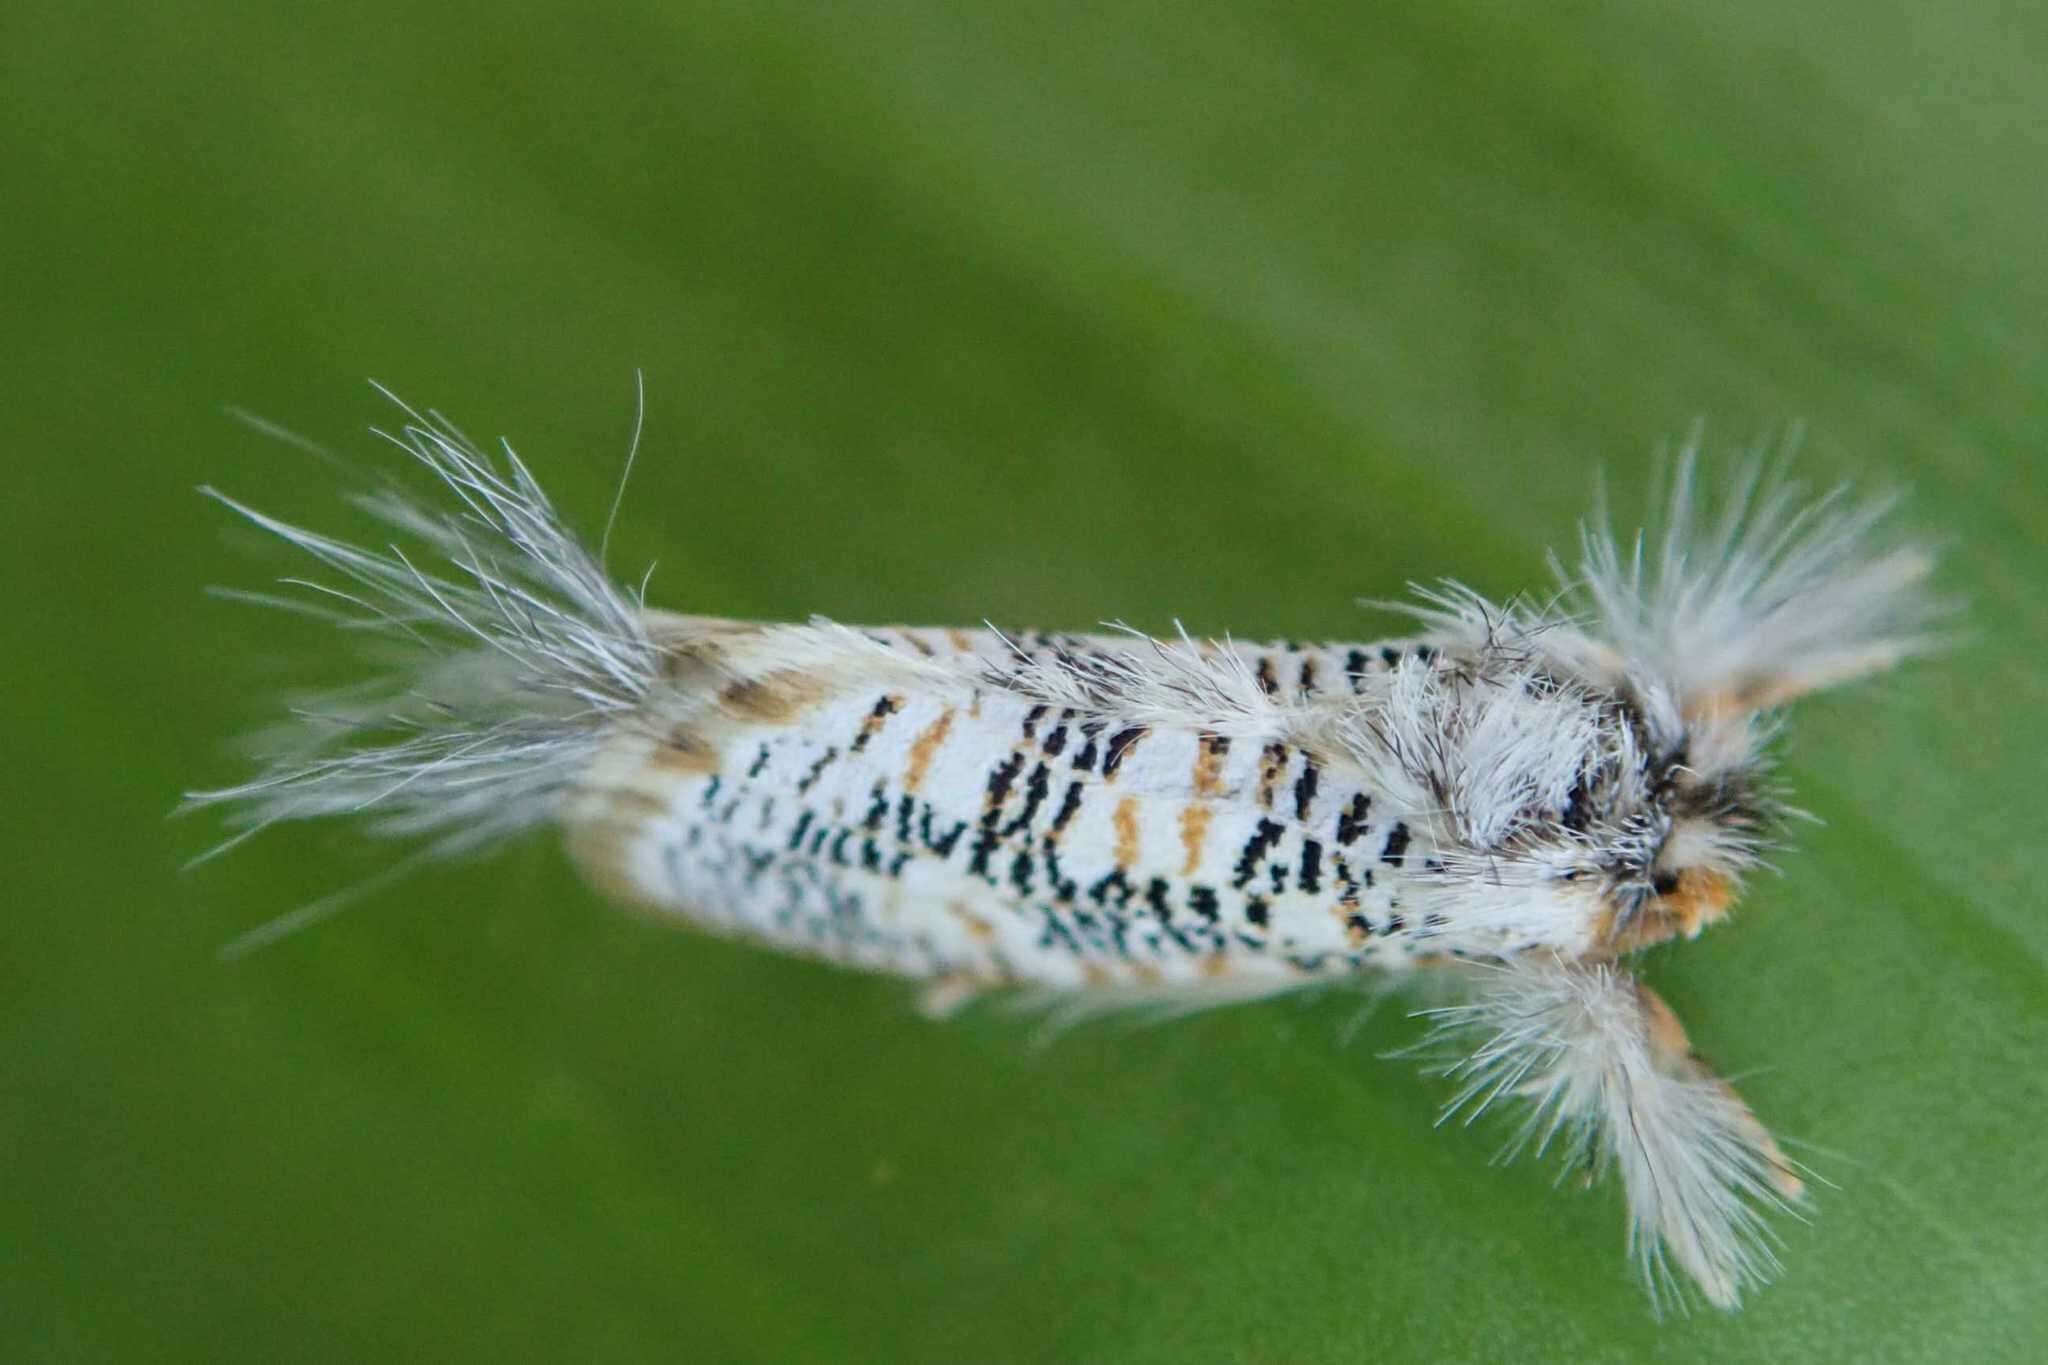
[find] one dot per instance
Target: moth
(1514, 797)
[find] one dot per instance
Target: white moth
(1517, 796)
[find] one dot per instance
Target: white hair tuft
(513, 649)
(1606, 1073)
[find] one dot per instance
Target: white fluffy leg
(1604, 1066)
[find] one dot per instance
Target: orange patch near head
(1700, 898)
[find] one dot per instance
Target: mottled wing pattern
(1057, 849)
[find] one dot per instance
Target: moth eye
(1664, 882)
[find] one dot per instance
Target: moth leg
(1673, 1054)
(1602, 1071)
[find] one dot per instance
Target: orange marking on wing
(923, 747)
(1209, 754)
(889, 705)
(1194, 829)
(1125, 822)
(684, 752)
(1272, 763)
(772, 700)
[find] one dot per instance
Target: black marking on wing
(1119, 747)
(1256, 848)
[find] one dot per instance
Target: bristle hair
(1573, 1045)
(512, 649)
(1771, 595)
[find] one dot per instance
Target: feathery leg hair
(1519, 793)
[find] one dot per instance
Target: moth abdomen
(952, 828)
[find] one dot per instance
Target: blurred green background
(1038, 312)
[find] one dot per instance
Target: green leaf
(1042, 313)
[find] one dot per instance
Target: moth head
(1672, 655)
(1663, 819)
(1706, 809)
